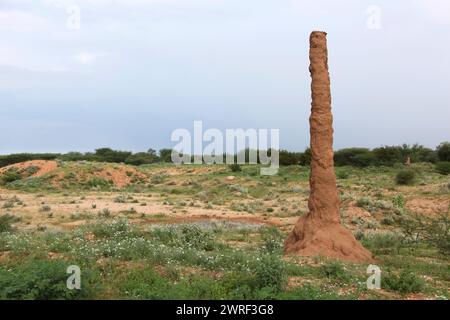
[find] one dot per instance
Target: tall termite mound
(320, 232)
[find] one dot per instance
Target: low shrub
(383, 243)
(335, 271)
(6, 221)
(341, 174)
(187, 235)
(43, 280)
(273, 240)
(270, 272)
(405, 177)
(432, 230)
(443, 168)
(9, 176)
(398, 201)
(235, 167)
(405, 282)
(117, 229)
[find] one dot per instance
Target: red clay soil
(43, 167)
(320, 233)
(120, 176)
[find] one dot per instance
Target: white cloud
(81, 3)
(19, 58)
(87, 58)
(438, 10)
(19, 21)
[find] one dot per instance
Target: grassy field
(204, 232)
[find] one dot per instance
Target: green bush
(5, 222)
(305, 157)
(388, 155)
(443, 151)
(432, 230)
(287, 158)
(341, 174)
(115, 229)
(235, 167)
(270, 272)
(43, 280)
(405, 177)
(405, 282)
(335, 271)
(141, 158)
(109, 155)
(99, 183)
(398, 201)
(273, 240)
(384, 243)
(360, 157)
(364, 202)
(10, 176)
(187, 235)
(443, 167)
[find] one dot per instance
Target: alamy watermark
(74, 280)
(373, 21)
(212, 146)
(73, 12)
(374, 280)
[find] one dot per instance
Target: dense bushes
(289, 158)
(386, 155)
(21, 157)
(443, 167)
(42, 280)
(358, 157)
(443, 151)
(351, 156)
(141, 158)
(404, 282)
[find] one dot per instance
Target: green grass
(255, 270)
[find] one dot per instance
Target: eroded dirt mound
(75, 173)
(33, 168)
(96, 175)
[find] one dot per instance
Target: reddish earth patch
(357, 212)
(42, 167)
(121, 176)
(428, 207)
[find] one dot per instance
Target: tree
(165, 155)
(443, 151)
(109, 155)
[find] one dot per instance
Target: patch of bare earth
(42, 167)
(428, 207)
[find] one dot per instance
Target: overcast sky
(136, 70)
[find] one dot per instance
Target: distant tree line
(358, 157)
(382, 156)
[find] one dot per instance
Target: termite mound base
(316, 238)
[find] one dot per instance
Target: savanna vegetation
(159, 231)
